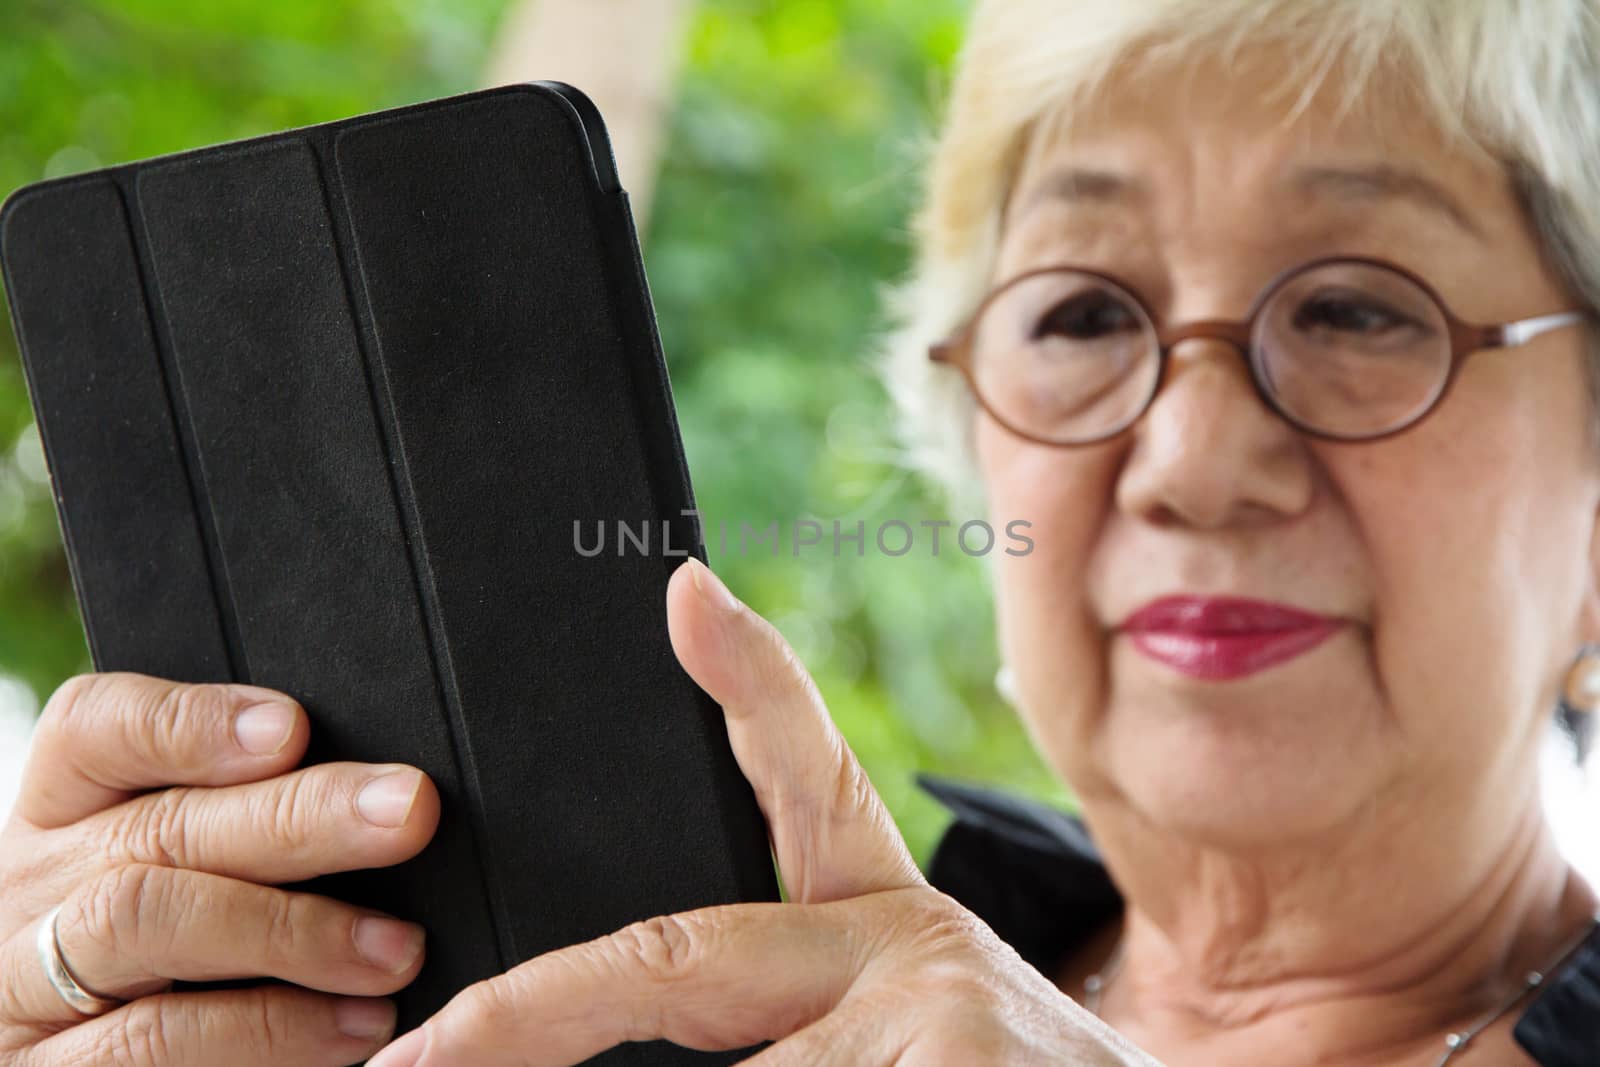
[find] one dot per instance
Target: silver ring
(72, 991)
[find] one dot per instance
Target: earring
(1580, 690)
(1005, 683)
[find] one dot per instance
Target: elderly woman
(1274, 319)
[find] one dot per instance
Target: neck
(1367, 949)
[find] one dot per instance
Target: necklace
(1094, 988)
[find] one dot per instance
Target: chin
(1248, 774)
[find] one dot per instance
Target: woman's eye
(1087, 317)
(1351, 313)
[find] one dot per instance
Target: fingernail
(711, 589)
(388, 943)
(407, 1052)
(387, 800)
(369, 1020)
(263, 729)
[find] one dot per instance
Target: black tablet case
(321, 410)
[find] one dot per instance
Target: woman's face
(1456, 558)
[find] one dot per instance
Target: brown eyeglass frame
(1465, 339)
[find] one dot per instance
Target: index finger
(104, 737)
(685, 978)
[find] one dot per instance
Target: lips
(1217, 638)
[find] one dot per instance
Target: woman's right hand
(159, 816)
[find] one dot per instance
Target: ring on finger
(82, 1000)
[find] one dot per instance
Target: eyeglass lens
(1345, 349)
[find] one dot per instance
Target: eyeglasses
(1348, 348)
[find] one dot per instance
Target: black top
(1034, 875)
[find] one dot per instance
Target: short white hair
(1518, 79)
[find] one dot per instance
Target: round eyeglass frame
(1465, 339)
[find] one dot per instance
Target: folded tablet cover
(321, 410)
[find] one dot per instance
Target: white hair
(1518, 79)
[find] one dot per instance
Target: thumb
(831, 833)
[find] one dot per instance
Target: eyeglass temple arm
(1524, 330)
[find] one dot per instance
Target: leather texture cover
(321, 410)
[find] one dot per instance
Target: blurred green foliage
(790, 169)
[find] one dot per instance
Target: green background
(789, 172)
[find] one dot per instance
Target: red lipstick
(1218, 638)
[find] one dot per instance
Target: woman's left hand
(866, 965)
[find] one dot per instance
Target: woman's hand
(175, 883)
(867, 966)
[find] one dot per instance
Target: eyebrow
(1380, 181)
(1384, 180)
(1084, 185)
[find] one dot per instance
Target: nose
(1209, 453)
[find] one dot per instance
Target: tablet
(339, 411)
